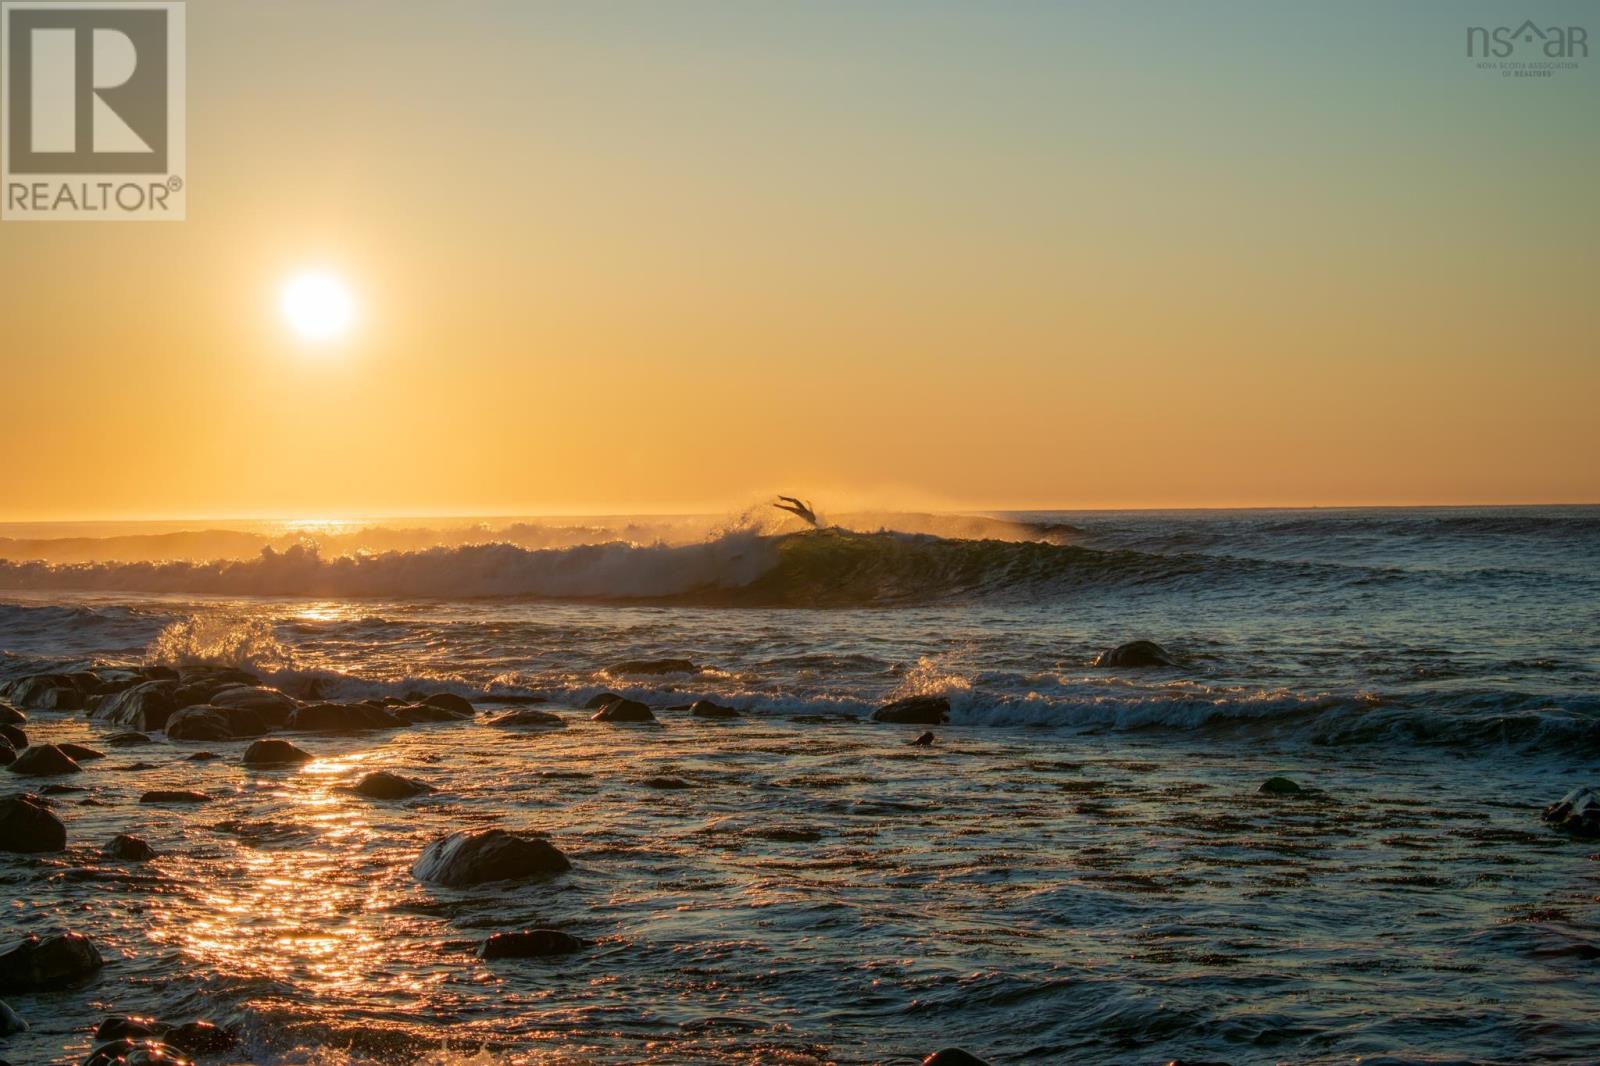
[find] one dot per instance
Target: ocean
(1080, 868)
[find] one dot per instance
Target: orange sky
(667, 259)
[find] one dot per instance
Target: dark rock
(128, 1028)
(159, 673)
(1136, 653)
(274, 753)
(472, 858)
(201, 1038)
(129, 849)
(61, 790)
(788, 834)
(8, 754)
(915, 710)
(206, 722)
(953, 1056)
(527, 716)
(145, 706)
(174, 795)
(14, 735)
(923, 740)
(42, 759)
(707, 709)
(621, 710)
(1578, 813)
(1279, 786)
(667, 782)
(9, 715)
(79, 753)
(203, 756)
(45, 692)
(341, 718)
(126, 740)
(137, 1053)
(38, 964)
(654, 666)
(381, 784)
(529, 944)
(599, 700)
(413, 714)
(29, 827)
(270, 705)
(10, 1021)
(450, 702)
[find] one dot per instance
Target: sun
(318, 306)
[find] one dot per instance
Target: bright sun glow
(318, 306)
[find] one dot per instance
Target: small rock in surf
(915, 710)
(1137, 653)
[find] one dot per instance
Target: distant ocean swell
(829, 568)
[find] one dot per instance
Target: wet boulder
(271, 752)
(129, 849)
(14, 735)
(953, 1056)
(80, 753)
(449, 701)
(45, 692)
(666, 782)
(419, 713)
(207, 722)
(383, 785)
(145, 706)
(270, 705)
(190, 1038)
(8, 754)
(10, 1022)
(527, 716)
(1279, 786)
(341, 718)
(1578, 813)
(621, 710)
(599, 700)
(9, 715)
(529, 944)
(915, 710)
(922, 740)
(708, 709)
(40, 760)
(652, 667)
(126, 740)
(129, 1052)
(473, 858)
(41, 963)
(28, 827)
(174, 795)
(1134, 654)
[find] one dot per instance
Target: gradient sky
(672, 256)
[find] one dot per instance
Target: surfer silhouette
(797, 507)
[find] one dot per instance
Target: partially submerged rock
(270, 705)
(449, 701)
(1136, 653)
(341, 718)
(473, 858)
(174, 795)
(137, 1053)
(127, 740)
(28, 827)
(708, 709)
(41, 963)
(14, 735)
(9, 715)
(190, 1038)
(1279, 786)
(1578, 813)
(145, 706)
(922, 740)
(915, 710)
(381, 784)
(80, 752)
(417, 713)
(10, 1021)
(623, 710)
(208, 722)
(527, 716)
(39, 760)
(529, 944)
(129, 849)
(953, 1056)
(272, 752)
